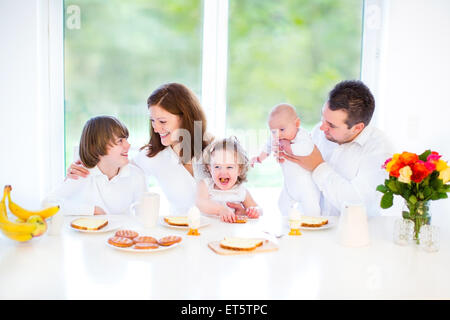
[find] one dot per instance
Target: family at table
(337, 163)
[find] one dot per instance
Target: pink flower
(433, 157)
(430, 166)
(385, 163)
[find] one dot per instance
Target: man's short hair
(355, 98)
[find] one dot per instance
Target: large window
(117, 52)
(286, 51)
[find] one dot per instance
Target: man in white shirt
(346, 162)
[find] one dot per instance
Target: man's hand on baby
(253, 212)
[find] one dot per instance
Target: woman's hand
(77, 170)
(238, 208)
(253, 212)
(309, 162)
(227, 215)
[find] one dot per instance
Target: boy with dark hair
(113, 183)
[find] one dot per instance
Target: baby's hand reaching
(253, 212)
(254, 160)
(227, 215)
(285, 145)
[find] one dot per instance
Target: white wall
(31, 156)
(414, 84)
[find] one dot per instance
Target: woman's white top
(236, 194)
(79, 197)
(178, 185)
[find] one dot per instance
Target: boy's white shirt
(79, 197)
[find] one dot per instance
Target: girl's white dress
(236, 194)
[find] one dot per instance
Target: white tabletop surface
(76, 265)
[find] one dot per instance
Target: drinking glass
(429, 238)
(403, 231)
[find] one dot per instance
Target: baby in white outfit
(226, 164)
(287, 135)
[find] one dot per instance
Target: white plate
(111, 226)
(332, 221)
(131, 249)
(203, 223)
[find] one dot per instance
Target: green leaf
(427, 191)
(405, 215)
(425, 155)
(435, 196)
(443, 196)
(436, 184)
(387, 200)
(393, 186)
(406, 193)
(382, 188)
(412, 199)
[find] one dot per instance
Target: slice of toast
(177, 221)
(88, 223)
(313, 222)
(241, 244)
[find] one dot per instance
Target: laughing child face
(224, 169)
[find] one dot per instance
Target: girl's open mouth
(224, 181)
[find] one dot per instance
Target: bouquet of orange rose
(418, 179)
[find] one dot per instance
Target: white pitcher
(353, 229)
(146, 209)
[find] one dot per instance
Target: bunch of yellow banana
(29, 225)
(24, 214)
(20, 231)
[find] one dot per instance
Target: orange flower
(408, 158)
(420, 172)
(392, 161)
(395, 169)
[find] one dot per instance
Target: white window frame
(373, 48)
(214, 72)
(50, 104)
(215, 64)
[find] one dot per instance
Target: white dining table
(77, 265)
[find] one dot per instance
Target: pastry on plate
(146, 245)
(313, 222)
(145, 239)
(241, 218)
(241, 244)
(169, 240)
(127, 234)
(121, 242)
(177, 221)
(89, 223)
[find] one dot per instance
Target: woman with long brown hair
(177, 139)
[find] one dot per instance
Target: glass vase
(419, 213)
